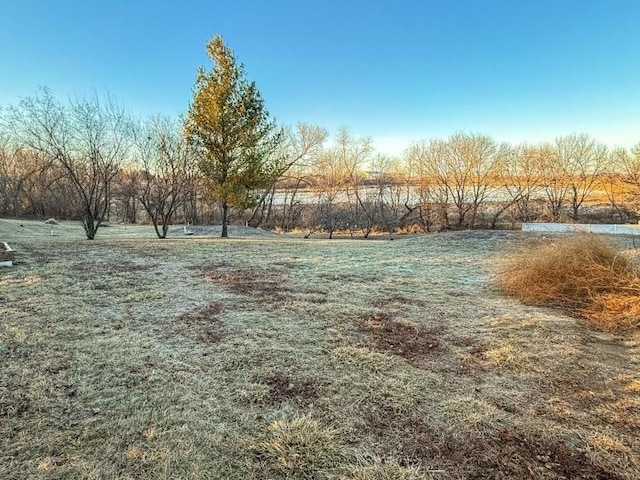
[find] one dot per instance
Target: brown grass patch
(633, 387)
(508, 356)
(387, 469)
(582, 274)
(499, 454)
(521, 456)
(607, 450)
(471, 355)
(410, 342)
(283, 387)
(204, 325)
(269, 285)
(470, 346)
(624, 411)
(299, 448)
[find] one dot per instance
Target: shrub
(580, 273)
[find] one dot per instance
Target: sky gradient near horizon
(397, 71)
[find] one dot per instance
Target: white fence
(577, 227)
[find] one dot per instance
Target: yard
(259, 358)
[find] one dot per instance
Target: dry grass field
(258, 358)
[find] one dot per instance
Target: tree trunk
(474, 216)
(505, 206)
(90, 228)
(254, 221)
(269, 208)
(155, 226)
(225, 220)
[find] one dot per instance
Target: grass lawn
(258, 358)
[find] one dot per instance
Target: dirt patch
(411, 342)
(514, 455)
(472, 354)
(283, 387)
(269, 286)
(611, 405)
(504, 454)
(203, 325)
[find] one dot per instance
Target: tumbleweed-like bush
(583, 274)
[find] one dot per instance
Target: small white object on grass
(187, 231)
(6, 255)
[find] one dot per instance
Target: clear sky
(395, 70)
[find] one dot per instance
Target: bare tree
(628, 165)
(392, 192)
(619, 194)
(423, 160)
(292, 203)
(571, 168)
(125, 193)
(330, 181)
(582, 159)
(520, 175)
(164, 159)
(337, 178)
(298, 147)
(464, 166)
(354, 155)
(555, 180)
(88, 138)
(328, 184)
(192, 195)
(20, 170)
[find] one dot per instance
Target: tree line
(228, 161)
(465, 181)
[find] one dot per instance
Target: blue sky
(397, 71)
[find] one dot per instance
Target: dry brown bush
(583, 274)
